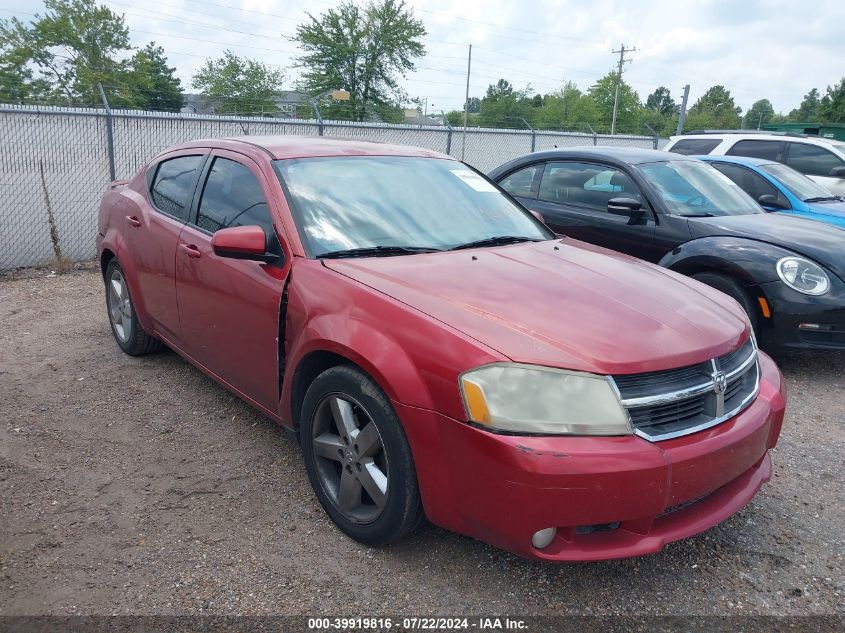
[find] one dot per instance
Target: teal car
(781, 189)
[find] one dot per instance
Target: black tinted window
(770, 150)
(173, 185)
(812, 160)
(232, 196)
(751, 183)
(521, 183)
(586, 185)
(690, 146)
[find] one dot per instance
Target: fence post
(109, 130)
(654, 134)
(533, 134)
(448, 136)
(595, 136)
(317, 115)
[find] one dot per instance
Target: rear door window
(691, 146)
(770, 150)
(812, 160)
(173, 185)
(524, 182)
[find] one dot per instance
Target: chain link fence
(54, 162)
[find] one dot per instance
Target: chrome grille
(675, 402)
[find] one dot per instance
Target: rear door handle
(190, 250)
(132, 220)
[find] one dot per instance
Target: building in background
(835, 131)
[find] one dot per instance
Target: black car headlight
(803, 275)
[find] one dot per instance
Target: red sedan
(438, 351)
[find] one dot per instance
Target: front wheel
(358, 458)
(735, 292)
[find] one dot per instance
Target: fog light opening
(543, 538)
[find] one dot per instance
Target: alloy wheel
(120, 306)
(350, 458)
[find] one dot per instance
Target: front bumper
(608, 497)
(791, 310)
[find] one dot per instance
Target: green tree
(474, 105)
(150, 83)
(504, 106)
(73, 47)
(661, 102)
(628, 117)
(832, 106)
(808, 111)
(566, 109)
(760, 113)
(715, 109)
(361, 49)
(237, 84)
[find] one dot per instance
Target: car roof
(282, 147)
(739, 160)
(629, 155)
(756, 136)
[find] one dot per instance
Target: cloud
(777, 50)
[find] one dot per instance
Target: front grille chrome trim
(737, 374)
(706, 425)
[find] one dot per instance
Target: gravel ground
(138, 486)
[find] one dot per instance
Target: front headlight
(803, 275)
(534, 399)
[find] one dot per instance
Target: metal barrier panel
(71, 145)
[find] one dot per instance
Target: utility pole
(466, 104)
(682, 116)
(622, 50)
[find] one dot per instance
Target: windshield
(798, 184)
(390, 205)
(691, 188)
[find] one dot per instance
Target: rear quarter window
(173, 185)
(692, 146)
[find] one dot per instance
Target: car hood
(836, 209)
(820, 242)
(562, 303)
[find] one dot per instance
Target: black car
(788, 273)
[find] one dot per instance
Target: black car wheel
(358, 458)
(734, 291)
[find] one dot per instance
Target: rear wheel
(358, 458)
(736, 292)
(127, 331)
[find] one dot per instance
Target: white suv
(821, 159)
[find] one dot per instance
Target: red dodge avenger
(438, 352)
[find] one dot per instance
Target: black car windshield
(692, 188)
(369, 206)
(797, 183)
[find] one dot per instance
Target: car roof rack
(771, 132)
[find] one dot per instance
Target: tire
(734, 291)
(358, 458)
(125, 328)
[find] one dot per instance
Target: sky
(773, 49)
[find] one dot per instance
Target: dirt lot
(136, 485)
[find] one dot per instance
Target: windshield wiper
(500, 240)
(823, 199)
(377, 251)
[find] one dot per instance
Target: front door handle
(190, 250)
(133, 221)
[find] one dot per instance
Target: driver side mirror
(768, 200)
(242, 242)
(837, 172)
(625, 206)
